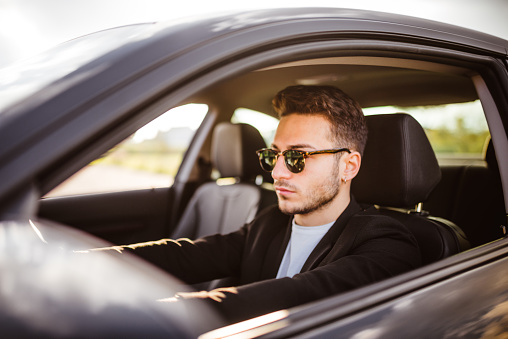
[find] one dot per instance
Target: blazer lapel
(330, 238)
(276, 251)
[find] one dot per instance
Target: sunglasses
(294, 159)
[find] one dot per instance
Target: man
(318, 241)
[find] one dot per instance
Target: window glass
(457, 132)
(150, 158)
(265, 123)
(27, 76)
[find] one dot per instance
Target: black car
(112, 134)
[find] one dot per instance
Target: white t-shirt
(303, 240)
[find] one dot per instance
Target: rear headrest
(234, 149)
(399, 167)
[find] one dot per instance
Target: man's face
(318, 184)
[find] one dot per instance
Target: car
(107, 139)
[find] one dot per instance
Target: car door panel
(120, 217)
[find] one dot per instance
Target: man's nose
(280, 171)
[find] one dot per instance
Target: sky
(28, 27)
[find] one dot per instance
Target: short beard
(319, 199)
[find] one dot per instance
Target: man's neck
(327, 214)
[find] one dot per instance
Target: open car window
(149, 158)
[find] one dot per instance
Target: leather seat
(218, 208)
(472, 197)
(399, 171)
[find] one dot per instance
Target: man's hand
(216, 295)
(121, 248)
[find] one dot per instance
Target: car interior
(450, 203)
(233, 204)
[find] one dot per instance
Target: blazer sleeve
(205, 259)
(377, 248)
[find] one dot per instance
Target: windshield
(31, 75)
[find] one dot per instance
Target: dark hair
(345, 114)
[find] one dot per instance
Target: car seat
(480, 207)
(398, 172)
(222, 208)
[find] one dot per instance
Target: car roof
(174, 37)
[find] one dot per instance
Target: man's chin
(288, 209)
(291, 209)
(284, 208)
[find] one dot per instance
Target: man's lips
(283, 190)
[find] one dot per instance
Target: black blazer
(362, 247)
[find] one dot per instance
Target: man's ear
(353, 161)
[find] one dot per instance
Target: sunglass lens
(267, 159)
(295, 161)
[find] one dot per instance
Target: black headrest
(399, 167)
(234, 149)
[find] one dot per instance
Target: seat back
(472, 197)
(218, 208)
(399, 171)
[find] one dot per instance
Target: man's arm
(202, 260)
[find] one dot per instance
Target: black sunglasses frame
(299, 165)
